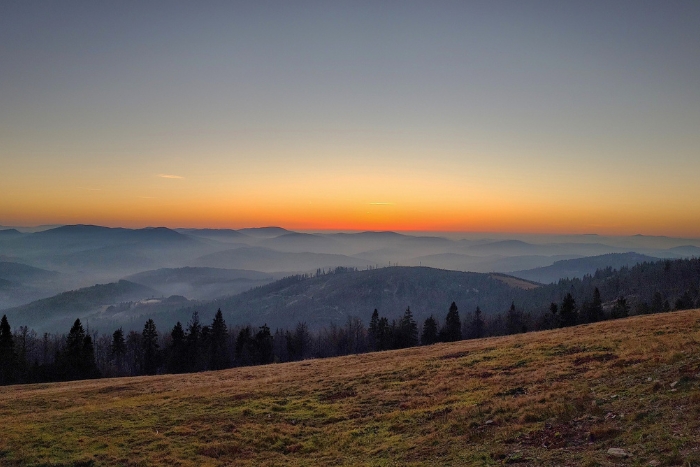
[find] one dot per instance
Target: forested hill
(67, 306)
(332, 298)
(647, 287)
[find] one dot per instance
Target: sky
(468, 116)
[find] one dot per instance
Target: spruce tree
(477, 324)
(384, 334)
(452, 331)
(118, 350)
(621, 309)
(264, 345)
(218, 343)
(408, 330)
(194, 343)
(149, 341)
(568, 312)
(245, 351)
(430, 331)
(373, 331)
(514, 320)
(596, 310)
(8, 358)
(72, 357)
(176, 362)
(88, 365)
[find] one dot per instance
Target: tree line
(26, 357)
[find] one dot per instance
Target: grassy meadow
(562, 397)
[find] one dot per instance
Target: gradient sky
(519, 116)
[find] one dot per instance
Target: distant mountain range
(330, 299)
(203, 264)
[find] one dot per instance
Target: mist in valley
(172, 270)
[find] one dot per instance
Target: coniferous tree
(592, 312)
(78, 357)
(478, 324)
(89, 368)
(554, 315)
(384, 334)
(177, 362)
(596, 313)
(218, 346)
(621, 309)
(245, 347)
(264, 345)
(118, 350)
(514, 320)
(73, 353)
(452, 331)
(149, 341)
(298, 342)
(568, 312)
(194, 343)
(373, 331)
(657, 303)
(134, 353)
(430, 331)
(8, 358)
(407, 335)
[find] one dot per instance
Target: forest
(195, 346)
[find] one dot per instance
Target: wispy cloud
(174, 177)
(381, 204)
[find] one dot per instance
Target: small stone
(649, 379)
(654, 463)
(488, 422)
(617, 452)
(614, 396)
(673, 384)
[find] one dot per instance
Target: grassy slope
(551, 398)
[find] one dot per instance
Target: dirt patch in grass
(606, 357)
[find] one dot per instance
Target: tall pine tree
(149, 341)
(8, 358)
(452, 331)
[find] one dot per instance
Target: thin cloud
(381, 204)
(174, 177)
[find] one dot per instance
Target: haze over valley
(52, 276)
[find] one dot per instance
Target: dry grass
(550, 398)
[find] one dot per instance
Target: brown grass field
(560, 397)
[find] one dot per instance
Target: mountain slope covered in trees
(63, 308)
(579, 267)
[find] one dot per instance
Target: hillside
(267, 260)
(579, 267)
(62, 309)
(332, 298)
(20, 273)
(576, 396)
(201, 283)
